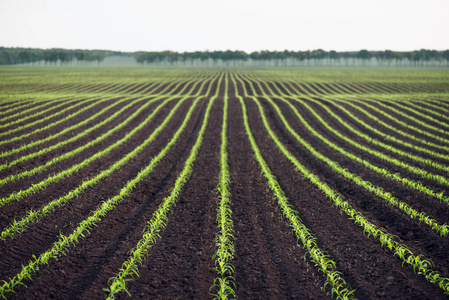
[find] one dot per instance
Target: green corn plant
(417, 262)
(224, 282)
(42, 120)
(408, 116)
(61, 246)
(62, 132)
(443, 230)
(159, 219)
(77, 150)
(33, 216)
(17, 196)
(41, 104)
(395, 128)
(71, 128)
(338, 285)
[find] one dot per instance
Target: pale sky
(248, 25)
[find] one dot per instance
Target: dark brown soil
(269, 263)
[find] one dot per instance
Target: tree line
(318, 57)
(12, 56)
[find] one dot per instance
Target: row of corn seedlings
(378, 132)
(442, 230)
(66, 130)
(416, 107)
(393, 120)
(62, 246)
(53, 124)
(34, 216)
(74, 138)
(387, 137)
(35, 143)
(224, 282)
(419, 263)
(436, 102)
(157, 223)
(13, 104)
(407, 112)
(41, 104)
(397, 177)
(391, 148)
(414, 214)
(67, 155)
(339, 287)
(405, 134)
(416, 170)
(71, 105)
(17, 196)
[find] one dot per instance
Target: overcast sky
(248, 25)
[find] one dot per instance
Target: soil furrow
(365, 265)
(125, 219)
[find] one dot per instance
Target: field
(200, 184)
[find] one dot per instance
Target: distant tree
(97, 56)
(364, 55)
(254, 55)
(383, 57)
(398, 57)
(64, 56)
(416, 57)
(318, 55)
(6, 57)
(389, 56)
(333, 56)
(445, 56)
(79, 55)
(24, 56)
(349, 58)
(50, 56)
(140, 57)
(434, 56)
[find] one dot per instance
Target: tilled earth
(269, 263)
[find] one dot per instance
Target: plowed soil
(269, 263)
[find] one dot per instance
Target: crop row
(61, 246)
(419, 264)
(112, 108)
